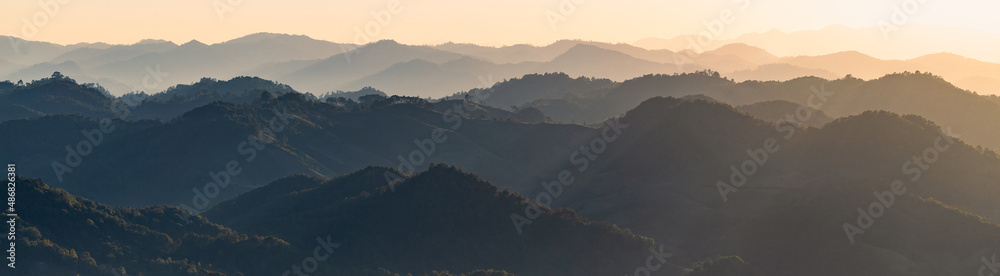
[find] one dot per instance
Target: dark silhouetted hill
(662, 181)
(442, 218)
(182, 98)
(54, 95)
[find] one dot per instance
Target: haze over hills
(311, 137)
(242, 107)
(657, 177)
(905, 42)
(529, 53)
(804, 153)
(583, 100)
(152, 65)
(60, 94)
(317, 66)
(500, 138)
(662, 180)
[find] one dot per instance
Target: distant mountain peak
(386, 42)
(152, 42)
(851, 55)
(587, 49)
(194, 43)
(742, 50)
(568, 41)
(95, 45)
(943, 56)
(739, 46)
(263, 36)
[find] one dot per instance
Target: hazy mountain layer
(319, 67)
(580, 100)
(707, 180)
(269, 138)
(699, 176)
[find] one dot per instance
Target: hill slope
(441, 218)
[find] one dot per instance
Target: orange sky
(491, 22)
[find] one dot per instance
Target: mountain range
(435, 71)
(882, 42)
(65, 234)
(588, 100)
(695, 165)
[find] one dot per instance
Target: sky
(485, 22)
